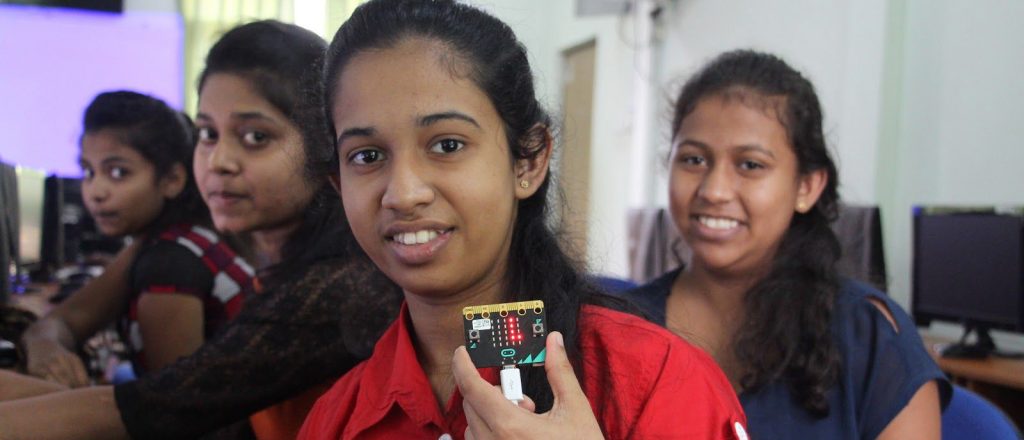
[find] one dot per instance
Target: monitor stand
(982, 347)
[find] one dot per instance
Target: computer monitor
(8, 227)
(31, 184)
(967, 268)
(70, 235)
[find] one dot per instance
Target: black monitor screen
(967, 268)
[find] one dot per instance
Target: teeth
(718, 223)
(418, 237)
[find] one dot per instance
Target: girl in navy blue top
(752, 190)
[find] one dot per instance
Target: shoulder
(193, 237)
(333, 411)
(170, 262)
(350, 281)
(861, 308)
(181, 242)
(658, 287)
(626, 342)
(885, 360)
(651, 297)
(644, 381)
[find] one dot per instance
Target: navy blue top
(881, 369)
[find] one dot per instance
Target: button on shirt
(642, 382)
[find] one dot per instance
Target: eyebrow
(108, 160)
(239, 115)
(354, 132)
(742, 148)
(756, 148)
(422, 121)
(437, 117)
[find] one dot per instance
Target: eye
(366, 156)
(87, 174)
(692, 160)
(206, 135)
(254, 138)
(447, 146)
(750, 165)
(118, 173)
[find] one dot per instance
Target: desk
(37, 299)
(999, 380)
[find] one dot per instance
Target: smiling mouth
(418, 237)
(717, 223)
(227, 198)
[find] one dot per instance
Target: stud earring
(524, 184)
(801, 206)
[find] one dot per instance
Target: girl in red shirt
(443, 157)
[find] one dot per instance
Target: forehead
(413, 78)
(232, 93)
(106, 143)
(727, 120)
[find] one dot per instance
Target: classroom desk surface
(1000, 380)
(992, 370)
(37, 299)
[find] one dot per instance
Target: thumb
(564, 385)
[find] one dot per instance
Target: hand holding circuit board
(499, 335)
(506, 335)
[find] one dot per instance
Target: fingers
(528, 404)
(488, 413)
(476, 427)
(66, 369)
(76, 369)
(466, 377)
(564, 385)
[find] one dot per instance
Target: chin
(716, 261)
(111, 232)
(230, 226)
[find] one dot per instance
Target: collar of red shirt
(393, 375)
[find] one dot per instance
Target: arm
(171, 325)
(921, 418)
(898, 405)
(285, 340)
(15, 386)
(86, 413)
(49, 342)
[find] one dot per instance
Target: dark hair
(282, 62)
(486, 51)
(787, 331)
(163, 136)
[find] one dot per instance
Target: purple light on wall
(54, 61)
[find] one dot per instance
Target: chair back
(970, 416)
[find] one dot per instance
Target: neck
(723, 292)
(269, 242)
(438, 330)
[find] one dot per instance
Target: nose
(717, 185)
(221, 158)
(408, 187)
(95, 190)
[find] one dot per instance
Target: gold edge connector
(472, 311)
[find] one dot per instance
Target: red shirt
(642, 382)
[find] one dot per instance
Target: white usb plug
(512, 384)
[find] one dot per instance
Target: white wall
(921, 99)
(548, 28)
(838, 44)
(954, 134)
